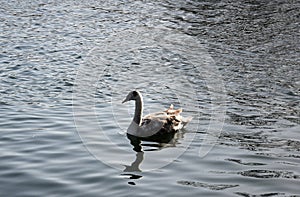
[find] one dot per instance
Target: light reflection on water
(43, 45)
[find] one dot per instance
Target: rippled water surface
(66, 66)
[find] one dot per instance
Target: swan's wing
(153, 123)
(149, 127)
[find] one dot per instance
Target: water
(66, 66)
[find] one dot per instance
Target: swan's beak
(128, 98)
(125, 100)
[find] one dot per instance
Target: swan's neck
(138, 113)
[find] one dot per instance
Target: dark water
(66, 66)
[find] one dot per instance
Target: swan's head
(133, 95)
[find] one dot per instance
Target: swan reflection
(153, 144)
(132, 171)
(135, 165)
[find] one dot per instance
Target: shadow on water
(157, 141)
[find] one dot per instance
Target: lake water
(65, 67)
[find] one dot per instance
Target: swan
(156, 126)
